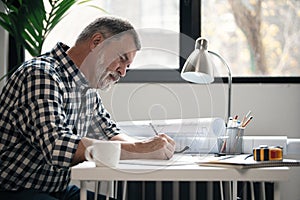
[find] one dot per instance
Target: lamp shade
(198, 68)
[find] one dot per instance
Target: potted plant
(29, 23)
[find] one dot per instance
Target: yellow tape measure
(265, 153)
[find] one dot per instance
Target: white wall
(276, 109)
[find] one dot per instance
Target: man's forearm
(157, 147)
(123, 137)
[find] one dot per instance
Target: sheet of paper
(177, 159)
(200, 134)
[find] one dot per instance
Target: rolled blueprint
(200, 134)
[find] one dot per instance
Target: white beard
(95, 68)
(104, 81)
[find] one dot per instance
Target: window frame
(190, 17)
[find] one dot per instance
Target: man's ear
(97, 38)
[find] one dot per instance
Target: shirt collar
(59, 52)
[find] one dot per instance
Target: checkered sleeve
(102, 123)
(41, 119)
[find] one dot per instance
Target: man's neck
(78, 53)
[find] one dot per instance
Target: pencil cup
(232, 142)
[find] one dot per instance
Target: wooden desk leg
(276, 191)
(158, 187)
(97, 189)
(193, 190)
(108, 190)
(230, 190)
(176, 190)
(234, 190)
(221, 190)
(124, 190)
(252, 190)
(82, 190)
(210, 190)
(263, 191)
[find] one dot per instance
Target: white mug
(104, 153)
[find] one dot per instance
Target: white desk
(190, 172)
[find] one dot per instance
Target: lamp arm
(229, 81)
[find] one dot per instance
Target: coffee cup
(104, 153)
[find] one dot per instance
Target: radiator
(165, 190)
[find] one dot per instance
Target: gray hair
(108, 27)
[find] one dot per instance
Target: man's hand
(79, 155)
(160, 146)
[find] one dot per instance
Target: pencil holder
(232, 141)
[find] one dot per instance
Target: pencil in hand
(153, 128)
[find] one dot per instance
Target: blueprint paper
(198, 133)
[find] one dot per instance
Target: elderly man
(51, 112)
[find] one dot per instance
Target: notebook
(245, 161)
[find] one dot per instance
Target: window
(258, 38)
(156, 21)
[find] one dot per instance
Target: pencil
(223, 148)
(246, 116)
(153, 128)
(247, 122)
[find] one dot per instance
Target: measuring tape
(264, 153)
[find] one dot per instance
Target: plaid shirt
(45, 108)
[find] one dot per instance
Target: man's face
(113, 57)
(111, 73)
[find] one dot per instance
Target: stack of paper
(245, 161)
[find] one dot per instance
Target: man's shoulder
(38, 65)
(44, 61)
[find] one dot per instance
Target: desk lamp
(198, 68)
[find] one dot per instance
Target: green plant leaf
(35, 27)
(28, 27)
(97, 7)
(29, 23)
(59, 11)
(5, 22)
